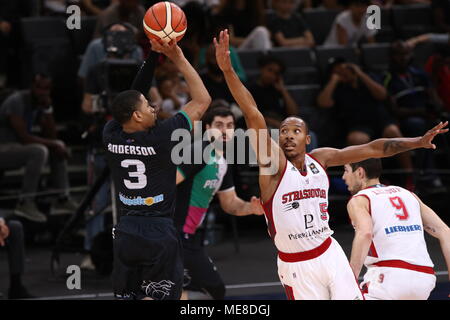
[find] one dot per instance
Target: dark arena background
(64, 61)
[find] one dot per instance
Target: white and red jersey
(297, 214)
(398, 235)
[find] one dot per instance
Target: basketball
(165, 21)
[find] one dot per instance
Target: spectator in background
(246, 24)
(415, 103)
(287, 26)
(213, 78)
(272, 97)
(438, 69)
(197, 34)
(95, 7)
(10, 39)
(12, 237)
(350, 27)
(358, 102)
(441, 15)
(96, 50)
(19, 147)
(122, 11)
(171, 89)
(171, 100)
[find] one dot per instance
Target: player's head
(294, 136)
(220, 122)
(358, 175)
(271, 69)
(132, 109)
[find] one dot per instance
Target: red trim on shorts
(289, 292)
(404, 265)
(267, 206)
(305, 255)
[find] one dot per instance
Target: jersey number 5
(398, 204)
(139, 174)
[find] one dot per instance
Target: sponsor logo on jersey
(323, 211)
(140, 201)
(396, 229)
(291, 206)
(133, 150)
(313, 168)
(211, 183)
(304, 194)
(308, 234)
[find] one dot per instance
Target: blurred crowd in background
(316, 59)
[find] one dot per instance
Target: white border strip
(232, 286)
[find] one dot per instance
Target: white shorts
(327, 277)
(386, 283)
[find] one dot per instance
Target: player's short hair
(300, 118)
(372, 167)
(125, 104)
(218, 111)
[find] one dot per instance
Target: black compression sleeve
(143, 80)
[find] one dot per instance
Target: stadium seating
(83, 36)
(320, 21)
(412, 20)
(375, 56)
(300, 65)
(324, 54)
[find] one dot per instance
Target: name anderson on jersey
(134, 150)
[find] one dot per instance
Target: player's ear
(361, 173)
(137, 116)
(308, 139)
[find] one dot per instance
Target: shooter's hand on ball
(170, 49)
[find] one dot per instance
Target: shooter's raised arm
(200, 98)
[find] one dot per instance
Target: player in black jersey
(147, 252)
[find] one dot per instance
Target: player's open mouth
(289, 146)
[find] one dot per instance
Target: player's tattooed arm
(379, 148)
(394, 146)
(397, 145)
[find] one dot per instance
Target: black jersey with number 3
(144, 175)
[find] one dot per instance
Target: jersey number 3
(141, 181)
(398, 204)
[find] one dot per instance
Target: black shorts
(147, 259)
(200, 273)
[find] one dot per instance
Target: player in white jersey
(294, 190)
(389, 238)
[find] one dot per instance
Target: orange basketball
(165, 21)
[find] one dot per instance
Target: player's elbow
(365, 234)
(443, 234)
(204, 101)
